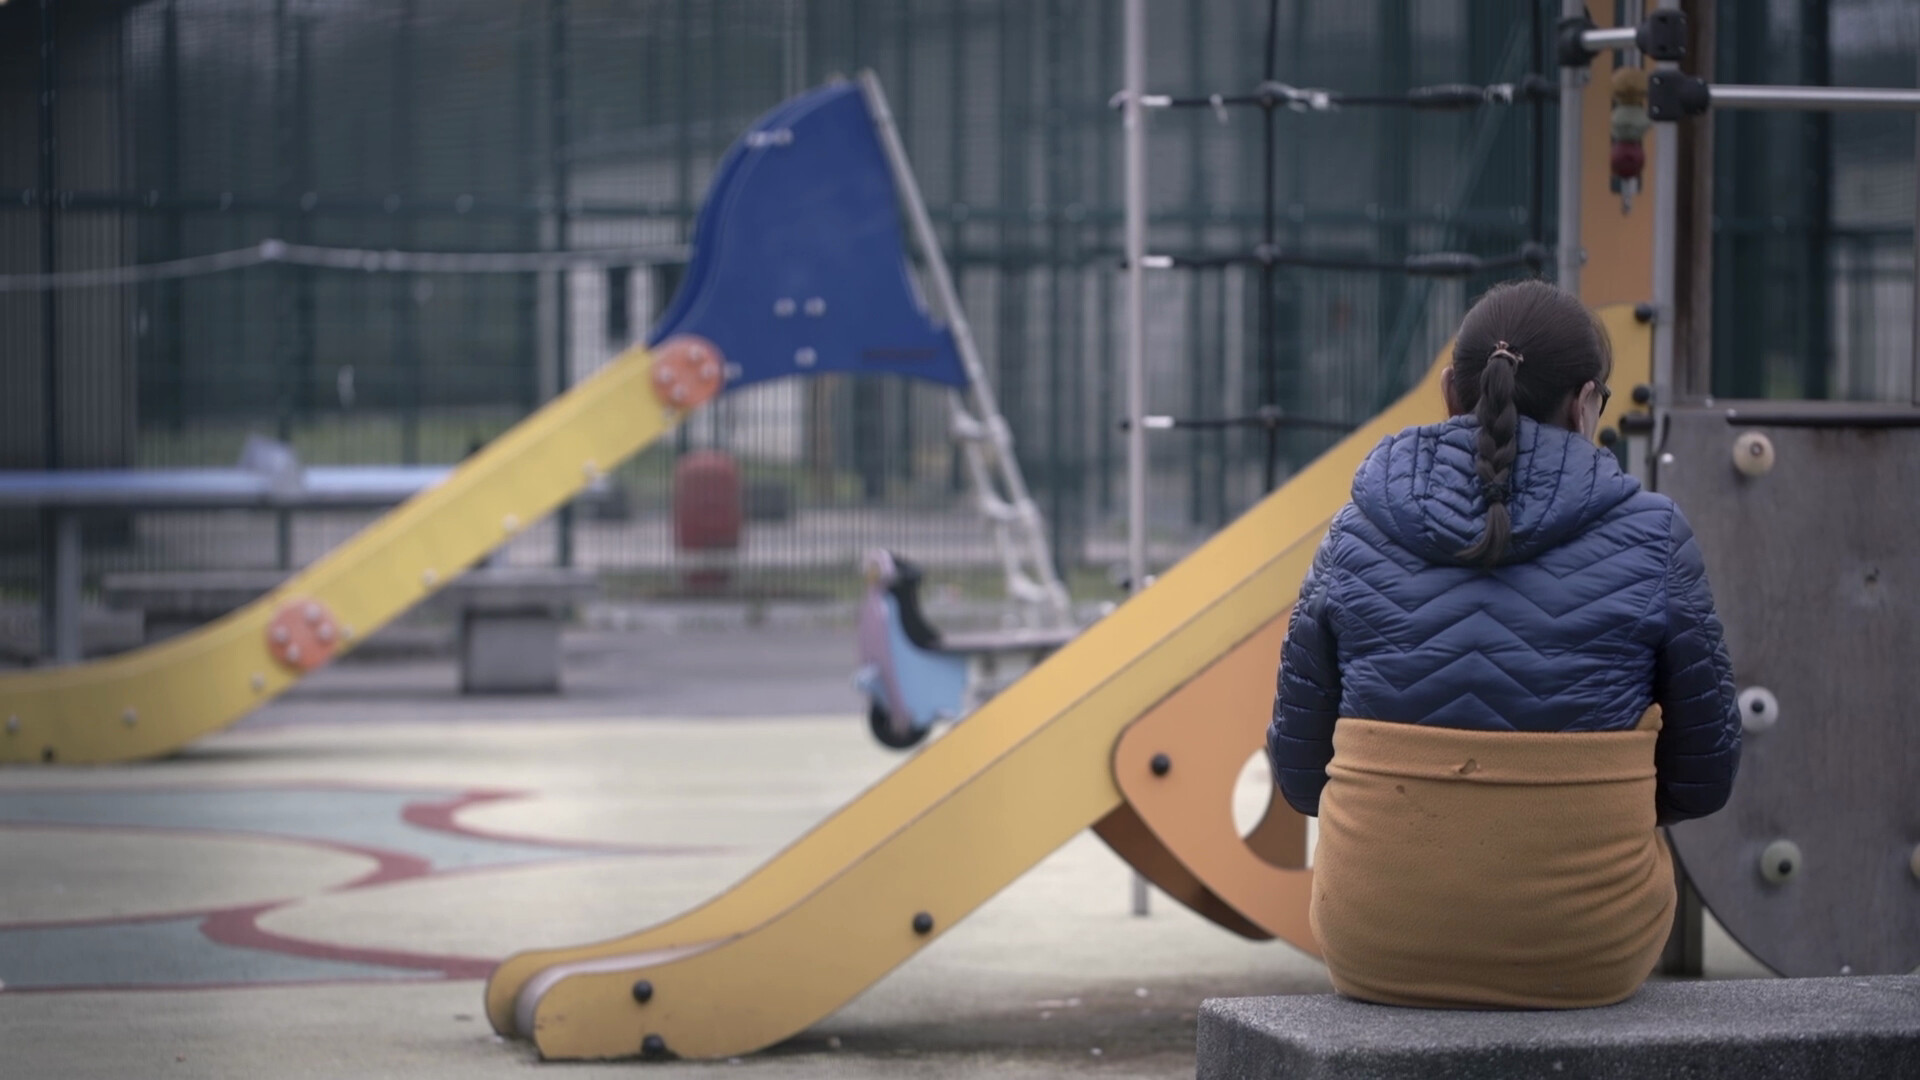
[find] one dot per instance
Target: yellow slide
(156, 699)
(888, 873)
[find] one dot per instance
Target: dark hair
(1523, 350)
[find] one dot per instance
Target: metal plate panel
(1815, 567)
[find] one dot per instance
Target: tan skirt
(1477, 868)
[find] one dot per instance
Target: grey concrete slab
(1736, 1030)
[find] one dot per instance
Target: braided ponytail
(1494, 454)
(1524, 349)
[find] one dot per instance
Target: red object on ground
(706, 510)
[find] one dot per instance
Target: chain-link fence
(146, 133)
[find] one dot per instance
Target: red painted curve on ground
(239, 926)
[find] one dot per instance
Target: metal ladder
(999, 489)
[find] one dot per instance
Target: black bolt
(1759, 706)
(653, 1046)
(1786, 867)
(922, 923)
(1643, 312)
(1642, 393)
(643, 991)
(46, 755)
(1160, 764)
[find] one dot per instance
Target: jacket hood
(1419, 487)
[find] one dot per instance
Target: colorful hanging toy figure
(1629, 124)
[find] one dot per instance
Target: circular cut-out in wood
(303, 634)
(688, 371)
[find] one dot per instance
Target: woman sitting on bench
(1503, 674)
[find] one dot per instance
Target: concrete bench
(1779, 1028)
(508, 619)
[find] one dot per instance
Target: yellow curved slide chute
(870, 886)
(154, 700)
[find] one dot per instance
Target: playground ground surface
(319, 892)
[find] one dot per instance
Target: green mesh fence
(186, 128)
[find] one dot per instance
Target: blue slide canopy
(799, 265)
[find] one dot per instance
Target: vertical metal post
(1666, 237)
(293, 336)
(1913, 387)
(1269, 318)
(50, 612)
(405, 333)
(559, 105)
(1816, 203)
(1536, 129)
(1573, 81)
(66, 587)
(1135, 120)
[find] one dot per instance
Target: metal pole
(1269, 329)
(1613, 37)
(1666, 228)
(1914, 384)
(1135, 121)
(66, 587)
(50, 613)
(1537, 130)
(1814, 98)
(558, 112)
(1573, 80)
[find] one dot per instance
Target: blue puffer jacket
(1599, 609)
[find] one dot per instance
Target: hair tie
(1501, 348)
(1496, 493)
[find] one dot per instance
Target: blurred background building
(135, 133)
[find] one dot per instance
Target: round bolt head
(510, 523)
(816, 306)
(653, 1046)
(922, 923)
(312, 613)
(1753, 454)
(1758, 708)
(679, 395)
(13, 725)
(279, 635)
(1780, 862)
(1161, 764)
(129, 717)
(324, 631)
(428, 577)
(643, 991)
(258, 682)
(783, 307)
(806, 357)
(293, 654)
